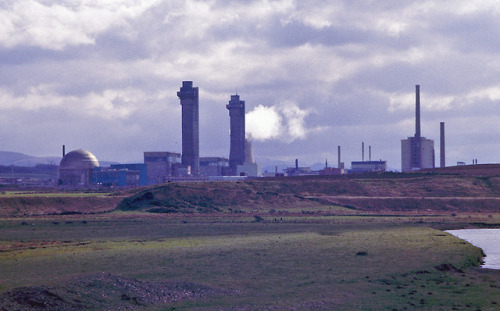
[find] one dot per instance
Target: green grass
(357, 266)
(10, 194)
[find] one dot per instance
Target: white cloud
(55, 25)
(348, 67)
(109, 104)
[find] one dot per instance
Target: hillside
(378, 192)
(20, 159)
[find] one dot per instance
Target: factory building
(188, 96)
(121, 175)
(298, 170)
(214, 166)
(76, 168)
(417, 152)
(359, 167)
(161, 165)
(236, 109)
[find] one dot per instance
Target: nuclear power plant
(417, 152)
(80, 168)
(77, 168)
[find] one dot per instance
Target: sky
(103, 75)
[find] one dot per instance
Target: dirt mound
(39, 205)
(366, 192)
(103, 291)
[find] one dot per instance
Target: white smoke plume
(285, 122)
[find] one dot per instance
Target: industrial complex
(80, 168)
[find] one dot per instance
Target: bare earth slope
(363, 192)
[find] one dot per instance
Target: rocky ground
(103, 291)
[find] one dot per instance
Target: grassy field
(350, 263)
(51, 194)
(283, 244)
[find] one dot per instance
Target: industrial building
(236, 109)
(76, 168)
(359, 167)
(299, 171)
(121, 175)
(188, 96)
(214, 166)
(417, 152)
(161, 165)
(331, 171)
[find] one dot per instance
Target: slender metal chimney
(417, 111)
(64, 150)
(363, 151)
(338, 151)
(442, 146)
(296, 164)
(369, 153)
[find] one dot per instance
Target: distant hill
(8, 158)
(20, 159)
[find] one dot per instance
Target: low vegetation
(394, 192)
(246, 264)
(325, 243)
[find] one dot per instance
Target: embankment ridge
(398, 192)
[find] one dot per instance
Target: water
(487, 239)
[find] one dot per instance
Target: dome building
(76, 168)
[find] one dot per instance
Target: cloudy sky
(103, 76)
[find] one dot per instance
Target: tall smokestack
(363, 151)
(64, 150)
(297, 164)
(417, 111)
(369, 153)
(442, 146)
(338, 151)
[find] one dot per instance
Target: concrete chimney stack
(442, 146)
(369, 153)
(64, 150)
(363, 151)
(296, 164)
(338, 151)
(417, 111)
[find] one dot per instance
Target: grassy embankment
(25, 203)
(420, 193)
(265, 244)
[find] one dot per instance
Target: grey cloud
(117, 96)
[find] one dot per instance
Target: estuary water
(487, 239)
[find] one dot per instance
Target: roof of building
(79, 159)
